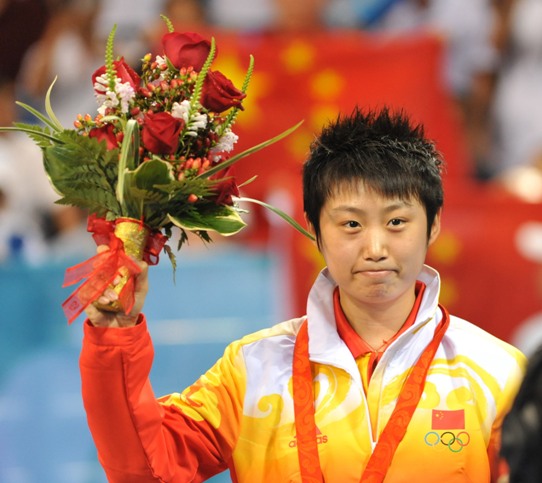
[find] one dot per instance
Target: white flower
(123, 94)
(107, 100)
(181, 111)
(101, 84)
(160, 61)
(193, 123)
(103, 95)
(126, 93)
(198, 121)
(225, 143)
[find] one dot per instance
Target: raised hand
(103, 318)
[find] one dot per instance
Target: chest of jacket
(447, 435)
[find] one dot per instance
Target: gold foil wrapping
(134, 235)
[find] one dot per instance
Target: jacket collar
(326, 346)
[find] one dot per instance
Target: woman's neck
(376, 324)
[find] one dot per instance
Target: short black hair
(383, 149)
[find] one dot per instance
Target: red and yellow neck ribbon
(395, 429)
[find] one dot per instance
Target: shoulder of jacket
(474, 340)
(275, 333)
(288, 328)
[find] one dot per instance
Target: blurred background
(469, 70)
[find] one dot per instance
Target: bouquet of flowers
(155, 158)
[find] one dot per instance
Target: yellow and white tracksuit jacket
(239, 415)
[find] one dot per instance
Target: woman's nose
(375, 246)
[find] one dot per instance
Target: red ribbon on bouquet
(103, 231)
(102, 269)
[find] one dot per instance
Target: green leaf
(226, 223)
(38, 134)
(219, 167)
(169, 25)
(248, 181)
(109, 67)
(77, 166)
(144, 192)
(282, 214)
(151, 173)
(198, 86)
(39, 115)
(232, 115)
(93, 199)
(57, 125)
(127, 158)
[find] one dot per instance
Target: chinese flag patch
(443, 419)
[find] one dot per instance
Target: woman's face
(374, 246)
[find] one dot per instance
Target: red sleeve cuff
(115, 336)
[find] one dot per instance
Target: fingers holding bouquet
(105, 312)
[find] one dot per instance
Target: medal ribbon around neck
(393, 433)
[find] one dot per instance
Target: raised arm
(138, 438)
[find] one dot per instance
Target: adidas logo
(320, 439)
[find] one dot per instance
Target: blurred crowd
(492, 69)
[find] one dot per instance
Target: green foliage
(53, 120)
(151, 173)
(198, 87)
(42, 136)
(128, 159)
(169, 25)
(283, 215)
(109, 67)
(232, 115)
(83, 171)
(248, 152)
(225, 220)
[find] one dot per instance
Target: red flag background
(313, 79)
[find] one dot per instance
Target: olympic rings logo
(455, 442)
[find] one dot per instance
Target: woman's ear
(435, 228)
(310, 228)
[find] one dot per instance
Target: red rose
(219, 93)
(160, 132)
(186, 49)
(123, 71)
(105, 133)
(224, 190)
